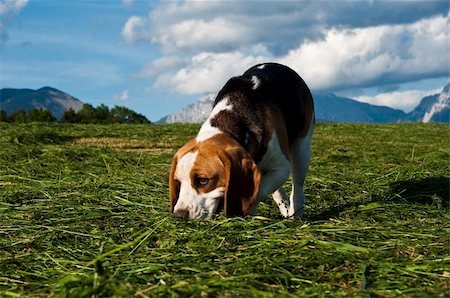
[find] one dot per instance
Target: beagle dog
(259, 131)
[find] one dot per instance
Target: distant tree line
(88, 114)
(34, 115)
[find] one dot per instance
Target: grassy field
(84, 213)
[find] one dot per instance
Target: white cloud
(122, 97)
(207, 72)
(134, 29)
(11, 6)
(344, 58)
(211, 26)
(161, 65)
(127, 3)
(8, 8)
(374, 55)
(194, 33)
(280, 25)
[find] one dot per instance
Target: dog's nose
(182, 213)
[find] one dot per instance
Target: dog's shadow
(423, 191)
(427, 191)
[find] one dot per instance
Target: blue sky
(158, 56)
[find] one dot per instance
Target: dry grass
(124, 145)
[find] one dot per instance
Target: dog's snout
(182, 213)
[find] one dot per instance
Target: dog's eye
(201, 182)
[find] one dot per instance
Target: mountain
(434, 108)
(329, 107)
(54, 100)
(193, 113)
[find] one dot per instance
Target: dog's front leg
(270, 182)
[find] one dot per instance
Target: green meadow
(84, 212)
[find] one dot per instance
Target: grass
(84, 213)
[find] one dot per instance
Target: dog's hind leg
(300, 156)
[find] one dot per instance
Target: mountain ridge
(330, 107)
(334, 108)
(196, 112)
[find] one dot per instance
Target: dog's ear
(242, 182)
(174, 185)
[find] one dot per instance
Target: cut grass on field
(84, 212)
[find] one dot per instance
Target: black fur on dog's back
(278, 87)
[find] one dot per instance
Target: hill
(54, 100)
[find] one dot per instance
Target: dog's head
(210, 175)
